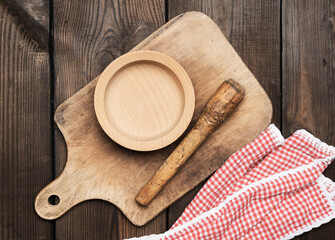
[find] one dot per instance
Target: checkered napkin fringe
(270, 189)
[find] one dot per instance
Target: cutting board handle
(57, 198)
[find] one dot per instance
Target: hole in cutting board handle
(54, 200)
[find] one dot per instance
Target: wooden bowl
(144, 100)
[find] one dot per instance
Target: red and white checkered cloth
(270, 189)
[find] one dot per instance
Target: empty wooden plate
(144, 100)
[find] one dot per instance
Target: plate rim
(177, 130)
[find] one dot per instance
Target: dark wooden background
(51, 49)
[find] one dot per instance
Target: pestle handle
(222, 103)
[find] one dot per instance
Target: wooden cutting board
(98, 168)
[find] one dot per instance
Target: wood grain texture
(88, 35)
(309, 78)
(144, 100)
(25, 118)
(32, 17)
(99, 168)
(253, 29)
(127, 229)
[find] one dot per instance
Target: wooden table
(51, 49)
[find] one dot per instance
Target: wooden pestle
(222, 103)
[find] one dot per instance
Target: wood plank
(25, 118)
(308, 77)
(87, 37)
(253, 28)
(33, 17)
(127, 229)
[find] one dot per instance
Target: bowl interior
(144, 100)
